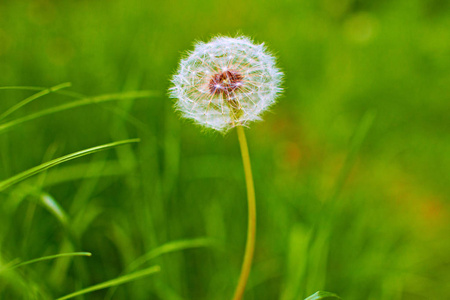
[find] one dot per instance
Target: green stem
(251, 230)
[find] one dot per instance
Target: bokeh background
(351, 165)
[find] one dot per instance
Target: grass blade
(78, 103)
(42, 167)
(323, 295)
(13, 266)
(40, 88)
(167, 248)
(357, 141)
(34, 97)
(163, 249)
(326, 218)
(54, 208)
(114, 282)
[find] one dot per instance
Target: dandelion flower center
(225, 83)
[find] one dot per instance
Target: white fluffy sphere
(226, 82)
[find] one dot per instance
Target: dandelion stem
(251, 231)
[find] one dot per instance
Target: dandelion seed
(225, 83)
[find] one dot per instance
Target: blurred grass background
(346, 205)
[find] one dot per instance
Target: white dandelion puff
(226, 82)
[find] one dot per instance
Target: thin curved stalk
(251, 230)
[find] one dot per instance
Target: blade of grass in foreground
(168, 248)
(34, 97)
(16, 265)
(323, 295)
(163, 249)
(40, 88)
(54, 208)
(42, 167)
(78, 103)
(114, 282)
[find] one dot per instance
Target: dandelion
(228, 83)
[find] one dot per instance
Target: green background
(351, 165)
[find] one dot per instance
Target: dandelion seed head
(226, 82)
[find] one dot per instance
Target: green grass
(50, 164)
(351, 166)
(114, 282)
(11, 266)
